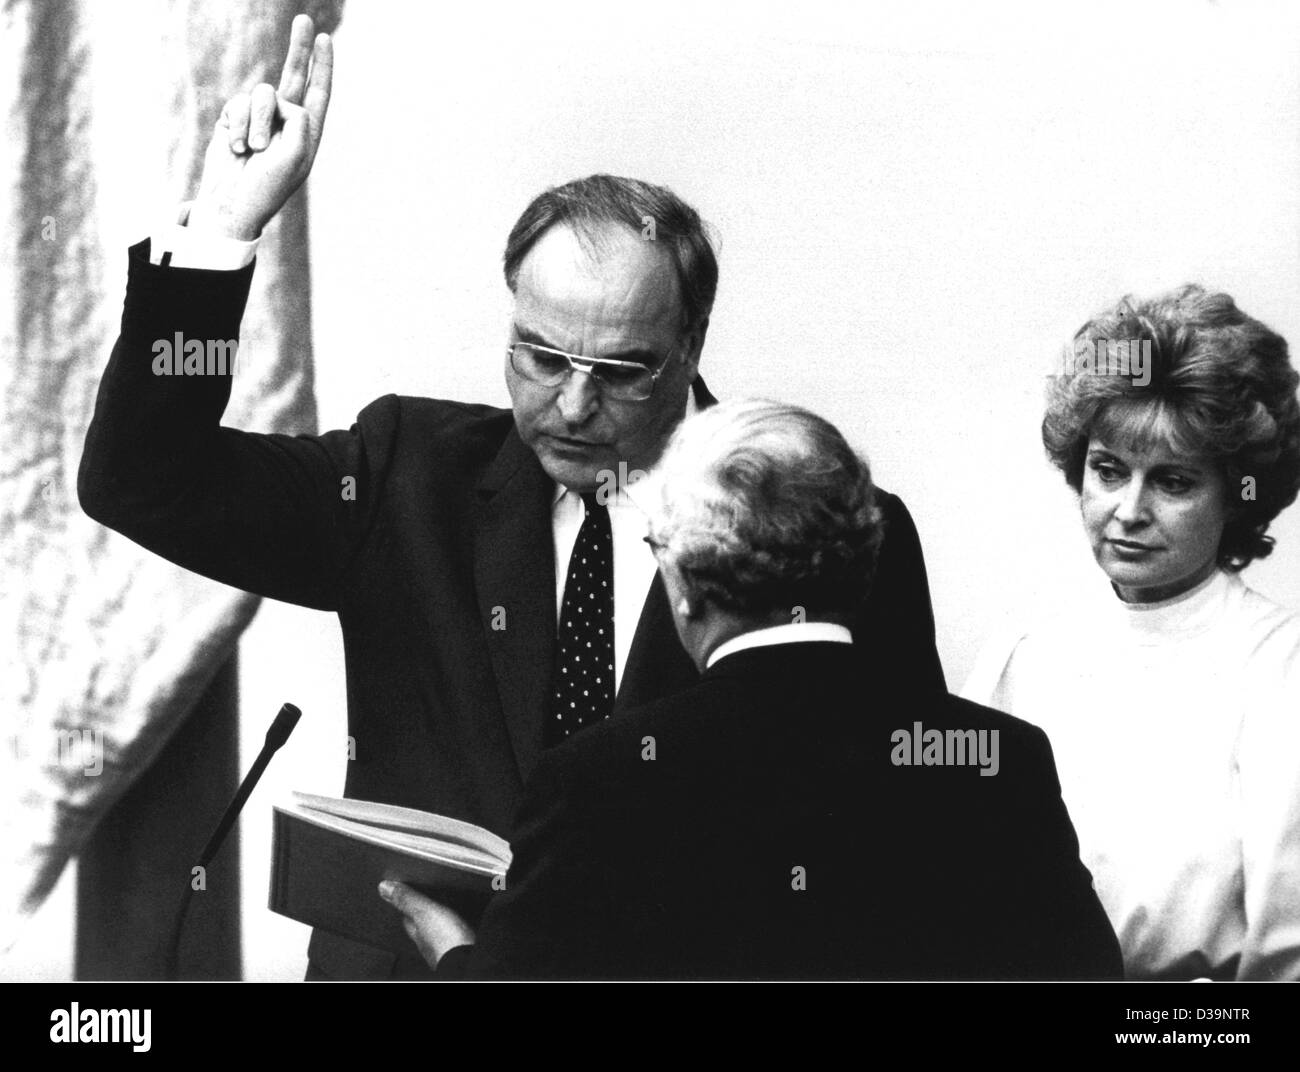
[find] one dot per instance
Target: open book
(328, 856)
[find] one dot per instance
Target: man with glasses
(494, 598)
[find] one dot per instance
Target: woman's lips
(1131, 546)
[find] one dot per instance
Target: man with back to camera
(465, 517)
(759, 824)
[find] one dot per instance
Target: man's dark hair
(655, 212)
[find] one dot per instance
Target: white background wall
(918, 204)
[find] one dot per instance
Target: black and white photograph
(702, 493)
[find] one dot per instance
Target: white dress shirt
(192, 248)
(1176, 731)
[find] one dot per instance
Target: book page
(416, 825)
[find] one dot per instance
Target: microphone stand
(275, 737)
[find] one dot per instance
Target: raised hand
(265, 141)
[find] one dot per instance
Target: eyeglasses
(624, 381)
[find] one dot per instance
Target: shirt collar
(791, 633)
(1187, 614)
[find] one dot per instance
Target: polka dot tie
(584, 675)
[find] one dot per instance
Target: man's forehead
(575, 326)
(616, 284)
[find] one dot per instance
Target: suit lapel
(514, 573)
(704, 398)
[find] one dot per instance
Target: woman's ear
(1238, 490)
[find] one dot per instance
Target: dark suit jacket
(685, 866)
(451, 520)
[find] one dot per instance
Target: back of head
(765, 508)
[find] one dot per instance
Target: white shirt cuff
(190, 248)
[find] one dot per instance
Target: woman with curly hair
(1172, 696)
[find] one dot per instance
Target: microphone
(278, 733)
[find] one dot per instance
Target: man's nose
(579, 397)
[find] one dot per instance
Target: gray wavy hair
(763, 506)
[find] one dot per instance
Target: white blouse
(1176, 731)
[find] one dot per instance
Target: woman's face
(1154, 519)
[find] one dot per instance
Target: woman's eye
(1175, 485)
(1106, 472)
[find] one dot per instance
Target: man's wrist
(179, 244)
(215, 221)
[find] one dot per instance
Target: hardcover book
(329, 856)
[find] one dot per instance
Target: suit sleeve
(269, 514)
(896, 624)
(553, 919)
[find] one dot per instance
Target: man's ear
(690, 604)
(694, 345)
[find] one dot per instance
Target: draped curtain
(106, 647)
